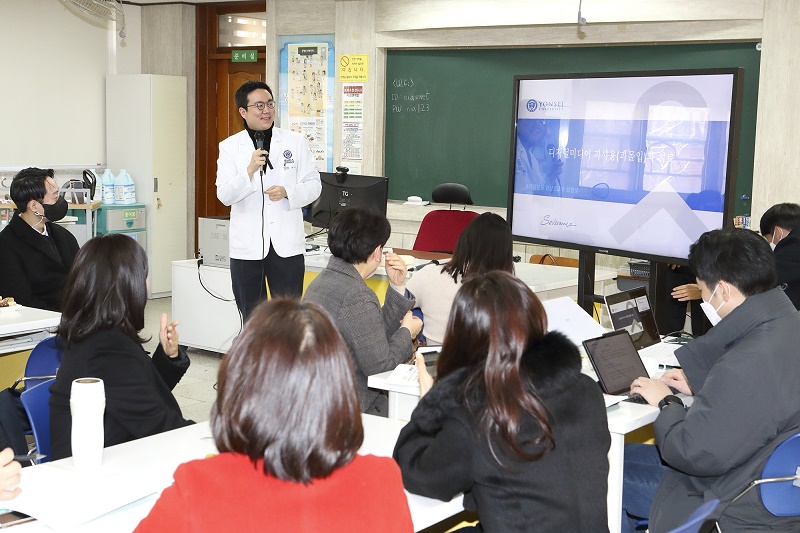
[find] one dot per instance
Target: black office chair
(451, 193)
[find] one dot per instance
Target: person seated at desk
(744, 377)
(484, 245)
(511, 422)
(9, 475)
(286, 422)
(379, 338)
(36, 253)
(778, 225)
(102, 315)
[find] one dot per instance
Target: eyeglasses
(263, 105)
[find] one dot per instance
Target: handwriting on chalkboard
(409, 102)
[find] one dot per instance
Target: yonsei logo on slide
(553, 105)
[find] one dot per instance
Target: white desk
(622, 418)
(155, 458)
(21, 328)
(211, 323)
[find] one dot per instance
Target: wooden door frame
(208, 55)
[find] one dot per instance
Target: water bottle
(128, 187)
(87, 403)
(108, 187)
(119, 187)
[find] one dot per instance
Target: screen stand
(586, 296)
(658, 292)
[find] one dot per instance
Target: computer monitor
(341, 190)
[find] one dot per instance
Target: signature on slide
(547, 221)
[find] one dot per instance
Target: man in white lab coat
(267, 175)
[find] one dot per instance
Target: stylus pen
(35, 457)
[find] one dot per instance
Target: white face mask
(709, 310)
(772, 243)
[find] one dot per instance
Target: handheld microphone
(260, 145)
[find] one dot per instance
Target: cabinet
(146, 135)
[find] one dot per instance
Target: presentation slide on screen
(630, 163)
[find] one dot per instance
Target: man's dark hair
(29, 184)
(105, 289)
(783, 215)
(739, 256)
(485, 244)
(356, 232)
(286, 393)
(244, 91)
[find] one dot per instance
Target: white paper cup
(87, 404)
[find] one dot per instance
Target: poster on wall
(306, 92)
(352, 121)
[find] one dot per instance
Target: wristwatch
(669, 399)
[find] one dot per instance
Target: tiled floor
(195, 393)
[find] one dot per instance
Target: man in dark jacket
(778, 225)
(744, 377)
(36, 254)
(35, 257)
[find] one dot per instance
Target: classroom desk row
(202, 298)
(134, 473)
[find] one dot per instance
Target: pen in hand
(34, 457)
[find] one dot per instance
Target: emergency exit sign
(244, 56)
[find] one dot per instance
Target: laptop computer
(631, 311)
(615, 361)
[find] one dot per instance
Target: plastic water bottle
(87, 402)
(119, 187)
(108, 187)
(128, 188)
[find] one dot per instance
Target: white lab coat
(294, 170)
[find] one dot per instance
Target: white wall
(52, 99)
(129, 49)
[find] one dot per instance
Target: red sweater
(226, 493)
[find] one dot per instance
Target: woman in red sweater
(287, 424)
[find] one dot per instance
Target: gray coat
(745, 373)
(373, 334)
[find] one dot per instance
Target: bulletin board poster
(306, 96)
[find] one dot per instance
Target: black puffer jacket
(442, 453)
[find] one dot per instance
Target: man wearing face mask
(36, 253)
(743, 375)
(778, 225)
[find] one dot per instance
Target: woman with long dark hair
(102, 314)
(511, 422)
(484, 245)
(287, 424)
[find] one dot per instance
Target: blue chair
(43, 363)
(697, 518)
(780, 480)
(36, 401)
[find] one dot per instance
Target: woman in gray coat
(379, 337)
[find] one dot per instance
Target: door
(217, 114)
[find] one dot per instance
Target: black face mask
(57, 211)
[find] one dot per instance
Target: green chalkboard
(449, 112)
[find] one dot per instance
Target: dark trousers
(284, 276)
(676, 311)
(641, 474)
(13, 423)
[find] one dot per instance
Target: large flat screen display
(634, 164)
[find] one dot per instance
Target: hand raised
(168, 336)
